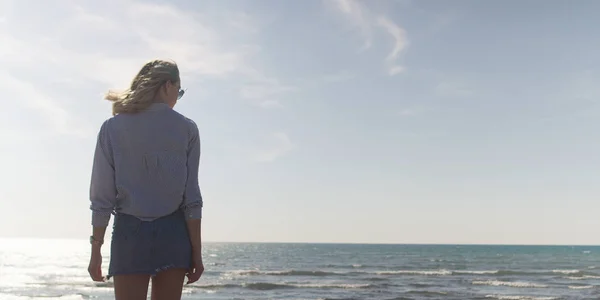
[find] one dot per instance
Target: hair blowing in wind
(142, 92)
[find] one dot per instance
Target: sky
(330, 121)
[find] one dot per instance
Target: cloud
(394, 70)
(359, 18)
(265, 92)
(279, 144)
(400, 43)
(88, 43)
(365, 21)
(26, 95)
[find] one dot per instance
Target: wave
(290, 273)
(427, 293)
(584, 277)
(416, 272)
(76, 296)
(443, 272)
(215, 286)
(566, 272)
(497, 297)
(396, 298)
(266, 286)
(319, 273)
(482, 272)
(515, 284)
(581, 287)
(336, 286)
(503, 297)
(351, 266)
(573, 274)
(535, 272)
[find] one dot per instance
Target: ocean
(57, 269)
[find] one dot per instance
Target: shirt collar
(158, 106)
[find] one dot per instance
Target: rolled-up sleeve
(103, 193)
(192, 199)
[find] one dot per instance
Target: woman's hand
(194, 230)
(95, 267)
(197, 268)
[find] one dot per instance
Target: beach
(57, 269)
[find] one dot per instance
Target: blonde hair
(144, 86)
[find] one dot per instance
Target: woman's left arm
(192, 205)
(192, 199)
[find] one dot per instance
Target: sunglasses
(180, 93)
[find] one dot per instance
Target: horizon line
(343, 243)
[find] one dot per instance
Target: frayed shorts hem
(151, 273)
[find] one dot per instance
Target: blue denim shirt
(146, 165)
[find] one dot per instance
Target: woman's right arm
(103, 197)
(103, 192)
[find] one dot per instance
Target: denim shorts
(148, 247)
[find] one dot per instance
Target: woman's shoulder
(111, 122)
(107, 123)
(127, 122)
(188, 121)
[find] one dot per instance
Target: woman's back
(150, 154)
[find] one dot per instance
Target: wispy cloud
(25, 94)
(400, 43)
(365, 21)
(278, 145)
(266, 93)
(359, 18)
(103, 47)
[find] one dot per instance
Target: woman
(145, 172)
